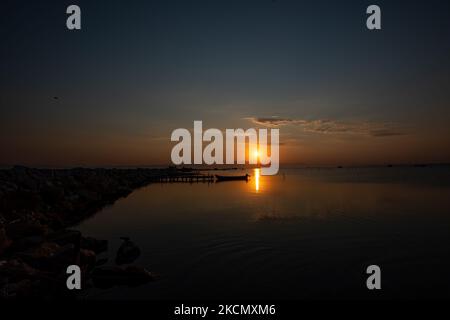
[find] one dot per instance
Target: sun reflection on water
(257, 175)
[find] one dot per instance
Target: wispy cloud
(274, 121)
(325, 126)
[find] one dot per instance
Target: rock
(128, 252)
(98, 246)
(50, 256)
(52, 194)
(40, 289)
(21, 229)
(24, 177)
(54, 220)
(20, 289)
(110, 276)
(89, 195)
(65, 237)
(4, 241)
(8, 186)
(26, 243)
(88, 258)
(46, 250)
(16, 270)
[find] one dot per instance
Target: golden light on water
(257, 175)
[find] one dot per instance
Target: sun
(256, 154)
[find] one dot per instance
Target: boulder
(5, 242)
(26, 243)
(52, 194)
(25, 228)
(25, 178)
(15, 270)
(20, 289)
(64, 237)
(49, 256)
(128, 252)
(88, 258)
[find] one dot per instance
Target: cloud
(325, 126)
(274, 121)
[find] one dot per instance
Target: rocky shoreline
(37, 208)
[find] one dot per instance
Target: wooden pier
(186, 178)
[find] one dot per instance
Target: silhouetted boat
(232, 178)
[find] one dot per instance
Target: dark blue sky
(139, 69)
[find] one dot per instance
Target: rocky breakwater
(36, 208)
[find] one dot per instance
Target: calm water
(306, 233)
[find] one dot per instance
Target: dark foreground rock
(36, 266)
(5, 242)
(128, 252)
(36, 208)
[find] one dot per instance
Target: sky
(137, 70)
